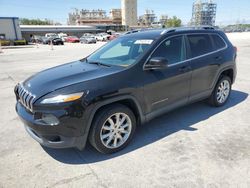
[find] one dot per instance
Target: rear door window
(200, 44)
(218, 42)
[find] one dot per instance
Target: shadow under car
(179, 119)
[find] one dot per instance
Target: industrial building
(126, 16)
(163, 19)
(129, 12)
(204, 13)
(147, 18)
(94, 17)
(9, 28)
(116, 16)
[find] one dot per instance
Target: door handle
(185, 69)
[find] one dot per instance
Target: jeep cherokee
(129, 81)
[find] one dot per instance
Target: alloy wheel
(116, 130)
(223, 91)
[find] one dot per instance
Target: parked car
(55, 41)
(63, 36)
(72, 39)
(128, 81)
(44, 40)
(88, 39)
(132, 31)
(110, 32)
(102, 37)
(47, 40)
(87, 35)
(51, 35)
(4, 42)
(114, 36)
(20, 42)
(36, 39)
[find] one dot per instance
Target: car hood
(57, 39)
(65, 75)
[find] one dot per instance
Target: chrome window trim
(160, 101)
(190, 59)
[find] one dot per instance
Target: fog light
(48, 119)
(53, 138)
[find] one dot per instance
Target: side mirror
(156, 63)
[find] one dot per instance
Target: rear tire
(112, 128)
(221, 92)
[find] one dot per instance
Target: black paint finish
(149, 92)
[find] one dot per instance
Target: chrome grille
(25, 97)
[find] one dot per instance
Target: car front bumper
(55, 141)
(68, 133)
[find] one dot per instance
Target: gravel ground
(194, 146)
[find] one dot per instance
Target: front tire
(221, 92)
(112, 128)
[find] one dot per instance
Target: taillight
(235, 48)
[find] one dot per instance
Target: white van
(51, 35)
(63, 36)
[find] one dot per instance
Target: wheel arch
(227, 71)
(127, 100)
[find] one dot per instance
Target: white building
(9, 28)
(129, 12)
(76, 30)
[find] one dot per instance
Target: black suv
(129, 81)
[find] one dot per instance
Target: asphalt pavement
(193, 146)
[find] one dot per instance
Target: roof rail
(205, 27)
(197, 27)
(168, 30)
(171, 30)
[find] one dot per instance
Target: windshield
(122, 51)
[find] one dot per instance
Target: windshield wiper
(95, 62)
(98, 63)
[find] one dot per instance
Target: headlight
(62, 98)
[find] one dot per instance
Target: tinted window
(172, 49)
(122, 51)
(116, 50)
(218, 42)
(199, 44)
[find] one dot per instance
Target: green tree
(173, 22)
(26, 21)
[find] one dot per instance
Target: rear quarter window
(218, 42)
(200, 44)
